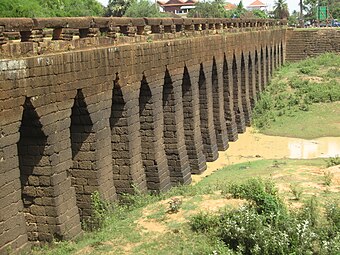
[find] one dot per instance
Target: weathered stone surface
(120, 117)
(310, 43)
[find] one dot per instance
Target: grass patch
(121, 233)
(288, 102)
(306, 177)
(321, 120)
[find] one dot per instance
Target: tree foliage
(293, 19)
(143, 8)
(281, 9)
(240, 5)
(117, 8)
(239, 12)
(50, 8)
(259, 14)
(213, 9)
(310, 7)
(21, 8)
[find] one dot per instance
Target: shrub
(101, 211)
(204, 222)
(294, 90)
(327, 178)
(174, 205)
(262, 193)
(265, 226)
(333, 214)
(296, 190)
(333, 161)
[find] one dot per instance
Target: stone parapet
(37, 36)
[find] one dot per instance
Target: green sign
(322, 13)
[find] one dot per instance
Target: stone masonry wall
(312, 42)
(144, 115)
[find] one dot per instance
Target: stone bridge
(118, 104)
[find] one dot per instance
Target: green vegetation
(281, 9)
(215, 9)
(133, 8)
(328, 177)
(321, 120)
(75, 8)
(101, 212)
(334, 161)
(266, 226)
(302, 100)
(310, 7)
(117, 8)
(50, 8)
(177, 223)
(143, 8)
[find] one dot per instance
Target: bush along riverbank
(302, 93)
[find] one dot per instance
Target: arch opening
(34, 168)
(229, 114)
(82, 172)
(193, 137)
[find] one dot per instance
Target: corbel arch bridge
(109, 104)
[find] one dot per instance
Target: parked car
(335, 23)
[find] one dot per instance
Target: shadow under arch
(206, 116)
(263, 70)
(218, 107)
(245, 91)
(251, 81)
(82, 172)
(281, 54)
(173, 132)
(267, 66)
(229, 113)
(32, 164)
(153, 153)
(257, 74)
(192, 132)
(237, 91)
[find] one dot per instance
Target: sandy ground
(254, 146)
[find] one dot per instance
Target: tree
(239, 12)
(335, 9)
(310, 6)
(281, 9)
(73, 8)
(117, 8)
(293, 19)
(301, 14)
(240, 5)
(259, 14)
(50, 8)
(143, 8)
(214, 9)
(21, 8)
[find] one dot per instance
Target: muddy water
(254, 146)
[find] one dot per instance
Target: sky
(292, 4)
